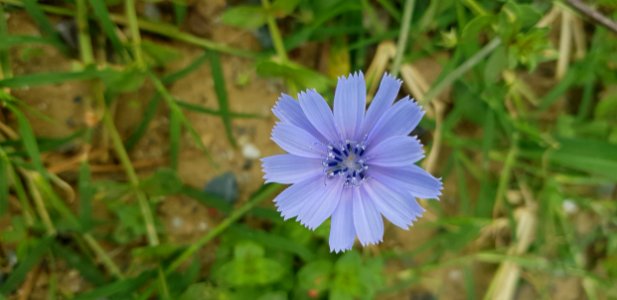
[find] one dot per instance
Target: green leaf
(154, 254)
(163, 182)
(497, 62)
(347, 276)
(276, 295)
(4, 183)
(249, 267)
(302, 76)
(120, 289)
(283, 8)
(128, 80)
(36, 12)
(590, 156)
(108, 26)
(15, 40)
(37, 79)
(87, 269)
(272, 241)
(221, 95)
(159, 54)
(245, 16)
(175, 130)
(316, 275)
(86, 194)
(607, 108)
(200, 290)
(31, 258)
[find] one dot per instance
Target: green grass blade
(221, 94)
(36, 12)
(200, 109)
(86, 194)
(102, 15)
(175, 127)
(5, 63)
(119, 289)
(141, 129)
(37, 79)
(31, 258)
(6, 42)
(87, 269)
(4, 182)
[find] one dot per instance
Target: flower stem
(402, 38)
(131, 15)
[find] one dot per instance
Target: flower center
(346, 160)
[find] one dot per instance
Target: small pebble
(569, 207)
(250, 151)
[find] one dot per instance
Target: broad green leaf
(316, 275)
(607, 108)
(250, 268)
(302, 76)
(163, 182)
(283, 8)
(245, 16)
(160, 54)
(497, 62)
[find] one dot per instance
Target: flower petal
(342, 232)
(289, 111)
(385, 96)
(323, 206)
(293, 199)
(400, 209)
(396, 151)
(367, 220)
(319, 114)
(412, 178)
(349, 105)
(288, 168)
(297, 141)
(400, 119)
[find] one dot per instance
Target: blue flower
(348, 164)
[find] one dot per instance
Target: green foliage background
(526, 165)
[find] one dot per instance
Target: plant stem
(504, 180)
(402, 38)
(475, 7)
(5, 63)
(39, 204)
(123, 156)
(85, 43)
(131, 16)
(102, 255)
(460, 70)
(275, 34)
